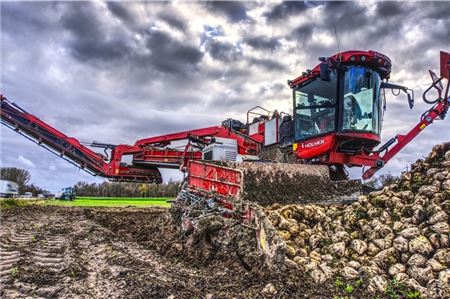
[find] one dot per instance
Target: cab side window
(315, 108)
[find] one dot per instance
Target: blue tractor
(67, 193)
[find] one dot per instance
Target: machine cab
(319, 110)
(341, 110)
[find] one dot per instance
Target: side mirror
(409, 92)
(324, 71)
(410, 99)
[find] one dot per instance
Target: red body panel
(359, 135)
(445, 65)
(214, 178)
(315, 147)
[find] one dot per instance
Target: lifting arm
(438, 111)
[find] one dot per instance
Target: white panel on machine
(224, 149)
(271, 131)
(253, 128)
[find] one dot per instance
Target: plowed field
(61, 252)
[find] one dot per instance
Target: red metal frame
(445, 65)
(246, 144)
(168, 158)
(370, 58)
(215, 178)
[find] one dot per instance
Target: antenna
(337, 40)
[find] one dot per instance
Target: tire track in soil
(98, 282)
(145, 272)
(31, 257)
(56, 253)
(91, 251)
(13, 243)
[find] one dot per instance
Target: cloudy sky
(116, 72)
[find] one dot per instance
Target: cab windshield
(361, 100)
(315, 108)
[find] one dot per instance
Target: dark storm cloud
(346, 16)
(240, 103)
(24, 29)
(390, 8)
(15, 18)
(234, 11)
(170, 55)
(177, 99)
(268, 64)
(119, 10)
(174, 21)
(303, 32)
(437, 9)
(286, 9)
(154, 125)
(229, 74)
(438, 13)
(89, 41)
(441, 33)
(262, 42)
(278, 87)
(223, 51)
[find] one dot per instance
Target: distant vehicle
(27, 195)
(8, 188)
(67, 193)
(47, 194)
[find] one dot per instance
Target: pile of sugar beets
(397, 236)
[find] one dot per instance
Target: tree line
(120, 189)
(22, 178)
(105, 189)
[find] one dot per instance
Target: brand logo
(313, 143)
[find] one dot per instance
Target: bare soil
(61, 252)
